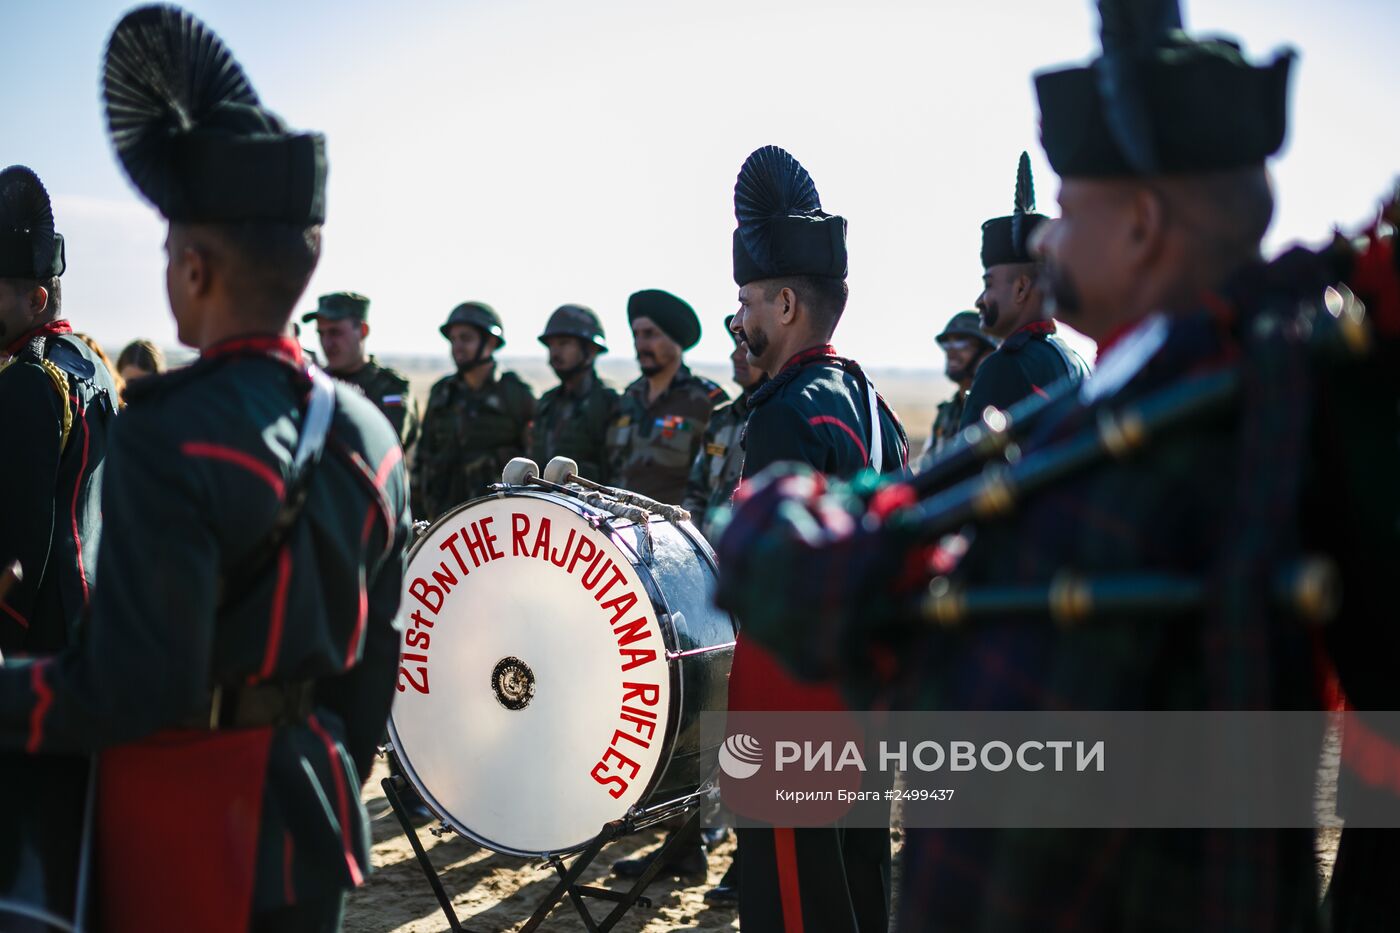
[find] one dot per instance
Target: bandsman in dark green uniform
(238, 665)
(663, 415)
(965, 345)
(1031, 357)
(820, 410)
(1165, 202)
(342, 325)
(573, 418)
(57, 400)
(718, 467)
(475, 421)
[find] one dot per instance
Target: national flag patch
(391, 400)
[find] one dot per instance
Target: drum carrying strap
(314, 430)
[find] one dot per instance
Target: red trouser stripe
(785, 848)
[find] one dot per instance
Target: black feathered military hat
(29, 246)
(667, 312)
(1159, 102)
(782, 228)
(191, 134)
(1005, 239)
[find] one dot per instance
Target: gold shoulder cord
(60, 383)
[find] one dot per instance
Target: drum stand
(567, 885)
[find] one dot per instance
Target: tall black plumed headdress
(782, 229)
(30, 248)
(191, 134)
(1007, 239)
(1158, 101)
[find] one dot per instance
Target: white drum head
(534, 700)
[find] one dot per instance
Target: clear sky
(535, 152)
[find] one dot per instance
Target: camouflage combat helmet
(967, 324)
(576, 321)
(479, 315)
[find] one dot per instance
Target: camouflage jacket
(1028, 362)
(468, 436)
(198, 469)
(717, 468)
(575, 425)
(946, 425)
(651, 446)
(389, 391)
(57, 406)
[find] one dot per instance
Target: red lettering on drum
(621, 604)
(519, 528)
(417, 638)
(561, 556)
(650, 694)
(636, 657)
(615, 578)
(430, 596)
(620, 786)
(641, 720)
(417, 617)
(450, 544)
(583, 543)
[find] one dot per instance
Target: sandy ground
(494, 892)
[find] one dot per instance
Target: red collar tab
(284, 349)
(822, 354)
(51, 329)
(1035, 327)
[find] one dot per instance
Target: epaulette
(67, 358)
(713, 390)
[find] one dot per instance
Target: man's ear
(1021, 289)
(1147, 224)
(364, 329)
(787, 305)
(194, 270)
(38, 300)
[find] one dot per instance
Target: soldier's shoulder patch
(713, 390)
(391, 401)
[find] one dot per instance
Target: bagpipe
(1336, 309)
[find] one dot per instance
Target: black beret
(191, 134)
(676, 318)
(782, 229)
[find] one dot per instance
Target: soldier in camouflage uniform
(663, 415)
(475, 422)
(573, 418)
(966, 345)
(341, 324)
(1031, 357)
(237, 667)
(1157, 258)
(715, 474)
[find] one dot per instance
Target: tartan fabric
(1219, 500)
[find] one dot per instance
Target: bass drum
(556, 659)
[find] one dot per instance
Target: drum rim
(608, 524)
